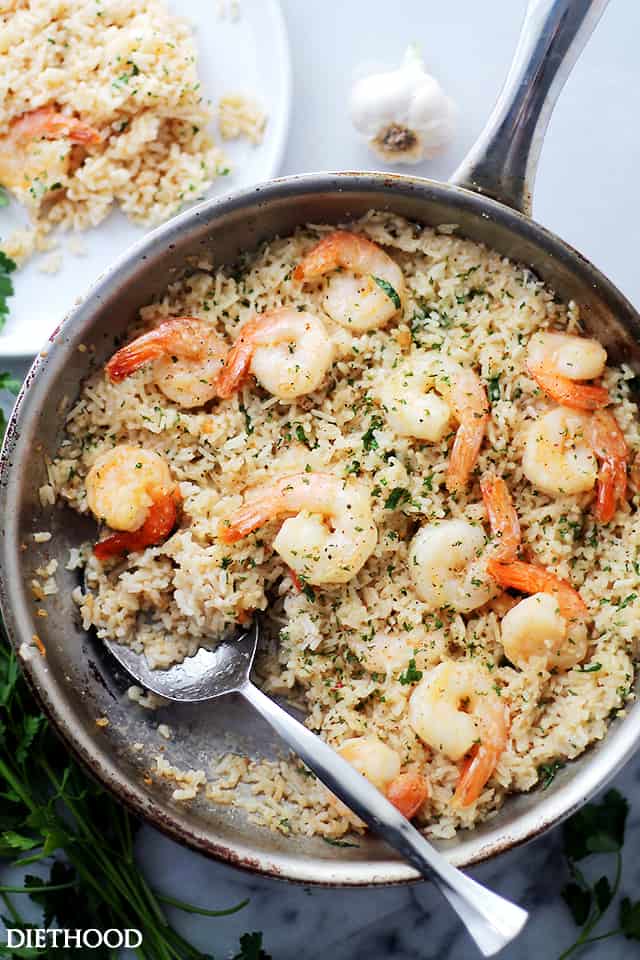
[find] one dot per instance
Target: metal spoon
(491, 920)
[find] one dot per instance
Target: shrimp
(456, 709)
(187, 357)
(21, 163)
(331, 534)
(380, 764)
(367, 288)
(131, 490)
(448, 559)
(551, 623)
(610, 447)
(559, 361)
(414, 409)
(408, 793)
(288, 352)
(561, 454)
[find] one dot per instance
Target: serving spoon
(491, 920)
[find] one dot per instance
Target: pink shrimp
(483, 758)
(369, 288)
(533, 578)
(503, 518)
(47, 123)
(471, 409)
(408, 792)
(161, 519)
(187, 354)
(287, 350)
(559, 362)
(607, 440)
(330, 533)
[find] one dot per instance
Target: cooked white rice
(127, 68)
(480, 309)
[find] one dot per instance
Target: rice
(128, 69)
(469, 303)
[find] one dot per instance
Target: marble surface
(588, 165)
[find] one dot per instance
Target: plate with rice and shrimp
(402, 450)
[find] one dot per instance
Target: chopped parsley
(493, 388)
(248, 423)
(397, 497)
(411, 675)
(547, 772)
(389, 290)
(369, 441)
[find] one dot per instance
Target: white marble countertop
(587, 193)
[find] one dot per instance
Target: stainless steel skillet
(75, 683)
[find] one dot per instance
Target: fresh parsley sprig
(7, 266)
(598, 828)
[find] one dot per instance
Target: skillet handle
(502, 162)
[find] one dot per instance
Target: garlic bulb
(404, 114)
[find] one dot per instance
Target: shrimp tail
(323, 257)
(161, 520)
(179, 335)
(532, 578)
(568, 393)
(408, 792)
(49, 124)
(236, 367)
(475, 772)
(503, 518)
(472, 410)
(248, 518)
(464, 453)
(610, 447)
(150, 346)
(482, 760)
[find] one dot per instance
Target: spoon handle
(492, 921)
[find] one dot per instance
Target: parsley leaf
(411, 675)
(547, 772)
(493, 388)
(579, 902)
(630, 918)
(397, 497)
(389, 290)
(251, 948)
(597, 828)
(369, 441)
(7, 266)
(4, 197)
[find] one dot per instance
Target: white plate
(249, 55)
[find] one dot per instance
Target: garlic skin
(404, 114)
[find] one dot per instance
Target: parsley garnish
(369, 442)
(397, 497)
(248, 424)
(493, 388)
(547, 772)
(4, 197)
(411, 675)
(389, 290)
(7, 266)
(597, 829)
(591, 668)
